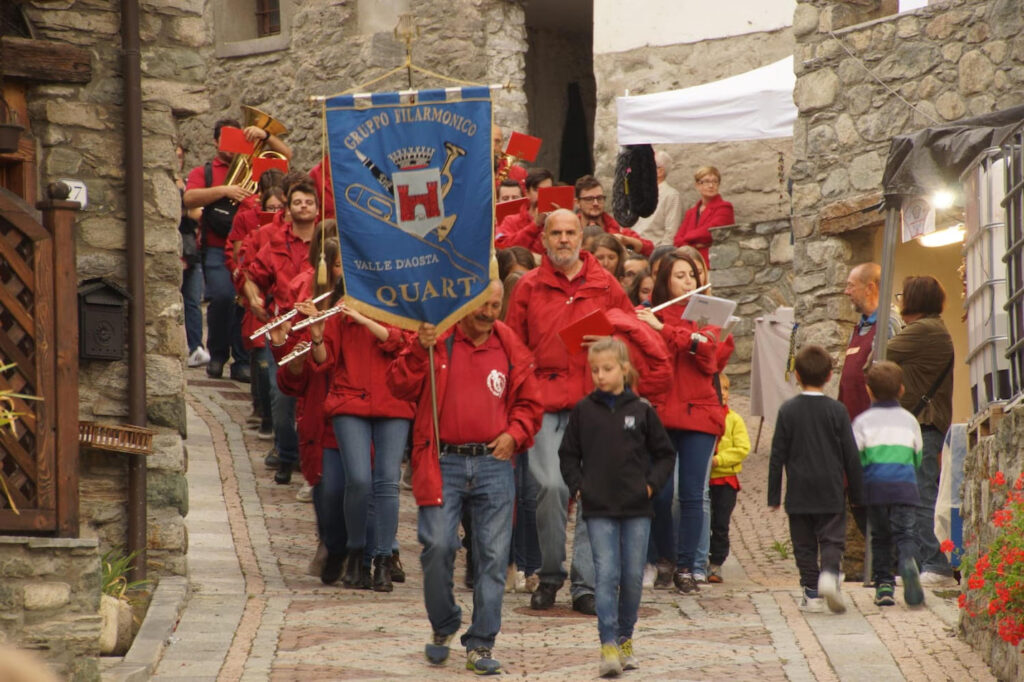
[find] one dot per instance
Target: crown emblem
(412, 157)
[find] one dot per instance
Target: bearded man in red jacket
(568, 285)
(489, 409)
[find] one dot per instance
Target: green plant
(995, 579)
(782, 548)
(116, 568)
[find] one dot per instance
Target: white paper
(709, 310)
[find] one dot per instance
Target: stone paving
(254, 614)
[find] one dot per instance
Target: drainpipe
(132, 73)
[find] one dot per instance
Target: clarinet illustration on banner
(415, 178)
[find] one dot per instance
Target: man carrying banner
(568, 285)
(489, 409)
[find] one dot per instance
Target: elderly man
(862, 289)
(568, 285)
(489, 409)
(662, 224)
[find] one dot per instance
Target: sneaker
(700, 578)
(664, 577)
(684, 582)
(532, 582)
(585, 604)
(265, 432)
(650, 573)
(305, 493)
(520, 582)
(437, 649)
(480, 661)
(626, 656)
(932, 579)
(254, 419)
(810, 602)
(544, 597)
(272, 461)
(828, 587)
(611, 664)
(883, 595)
(199, 357)
(714, 574)
(913, 594)
(397, 569)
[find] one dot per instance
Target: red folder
(507, 208)
(523, 147)
(259, 165)
(267, 217)
(233, 140)
(591, 324)
(550, 198)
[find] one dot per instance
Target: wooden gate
(36, 463)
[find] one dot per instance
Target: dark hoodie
(613, 448)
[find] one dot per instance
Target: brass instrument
(240, 171)
(502, 174)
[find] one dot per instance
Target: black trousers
(813, 534)
(723, 501)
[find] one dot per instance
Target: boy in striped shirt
(889, 440)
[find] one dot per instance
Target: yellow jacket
(733, 447)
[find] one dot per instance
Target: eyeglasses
(598, 199)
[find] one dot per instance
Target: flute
(283, 318)
(301, 348)
(330, 312)
(677, 299)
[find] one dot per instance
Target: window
(268, 17)
(249, 27)
(1014, 258)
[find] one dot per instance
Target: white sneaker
(650, 573)
(828, 588)
(812, 604)
(520, 582)
(305, 493)
(932, 579)
(199, 357)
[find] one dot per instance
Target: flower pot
(10, 134)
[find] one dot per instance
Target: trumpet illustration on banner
(277, 321)
(330, 312)
(301, 348)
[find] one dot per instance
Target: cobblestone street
(254, 614)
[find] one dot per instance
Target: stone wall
(751, 263)
(328, 54)
(751, 178)
(1002, 451)
(948, 60)
(80, 133)
(50, 599)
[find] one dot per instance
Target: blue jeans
(700, 558)
(552, 496)
(282, 414)
(328, 503)
(581, 573)
(891, 525)
(355, 436)
(619, 546)
(693, 450)
(223, 316)
(662, 544)
(929, 556)
(191, 296)
(524, 534)
(486, 487)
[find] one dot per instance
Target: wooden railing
(39, 334)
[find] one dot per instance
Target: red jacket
(322, 179)
(538, 311)
(693, 403)
(694, 231)
(611, 226)
(647, 352)
(407, 378)
(311, 422)
(278, 262)
(515, 172)
(359, 364)
(519, 229)
(247, 221)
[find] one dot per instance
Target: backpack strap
(926, 399)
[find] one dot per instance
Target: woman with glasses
(711, 210)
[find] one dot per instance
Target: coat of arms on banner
(413, 183)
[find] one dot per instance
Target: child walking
(615, 455)
(733, 448)
(814, 444)
(889, 440)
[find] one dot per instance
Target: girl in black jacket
(615, 455)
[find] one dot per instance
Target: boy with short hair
(889, 440)
(814, 444)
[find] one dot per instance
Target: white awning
(755, 105)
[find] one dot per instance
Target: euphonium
(502, 174)
(240, 171)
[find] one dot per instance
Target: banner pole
(405, 93)
(433, 400)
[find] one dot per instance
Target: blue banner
(413, 190)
